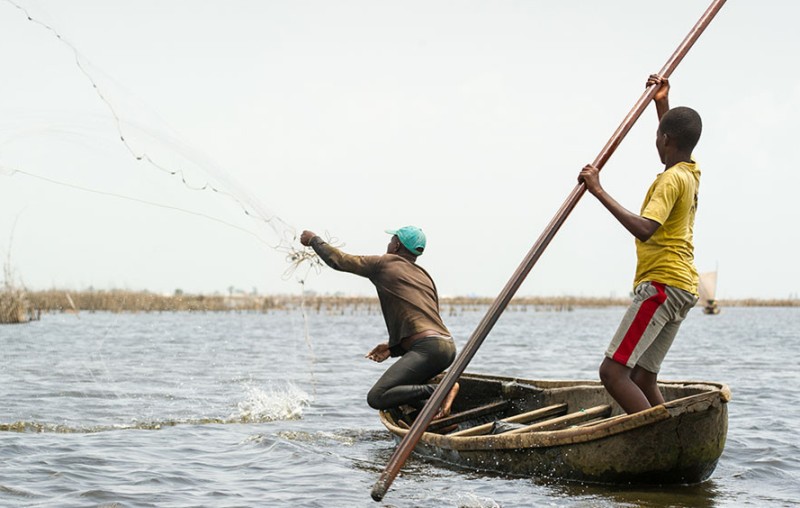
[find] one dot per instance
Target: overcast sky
(468, 119)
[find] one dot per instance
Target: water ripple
(229, 397)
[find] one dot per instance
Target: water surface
(227, 409)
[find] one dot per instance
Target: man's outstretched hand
(306, 236)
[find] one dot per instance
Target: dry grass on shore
(14, 306)
(142, 301)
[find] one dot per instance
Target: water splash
(267, 405)
(260, 406)
(470, 500)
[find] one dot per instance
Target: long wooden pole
(410, 440)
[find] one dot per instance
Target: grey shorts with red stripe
(649, 326)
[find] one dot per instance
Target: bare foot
(444, 411)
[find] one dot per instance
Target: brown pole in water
(410, 440)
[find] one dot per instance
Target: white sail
(707, 287)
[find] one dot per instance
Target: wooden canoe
(574, 430)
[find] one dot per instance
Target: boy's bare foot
(444, 411)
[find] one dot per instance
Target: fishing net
(109, 142)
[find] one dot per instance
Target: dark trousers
(405, 382)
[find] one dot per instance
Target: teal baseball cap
(411, 237)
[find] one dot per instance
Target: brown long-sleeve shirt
(408, 297)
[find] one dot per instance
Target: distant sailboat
(708, 292)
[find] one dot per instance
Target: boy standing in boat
(410, 306)
(666, 278)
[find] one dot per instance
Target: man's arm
(640, 227)
(661, 98)
(338, 260)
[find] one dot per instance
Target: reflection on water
(214, 410)
(699, 496)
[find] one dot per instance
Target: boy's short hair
(683, 125)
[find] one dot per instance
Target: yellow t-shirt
(668, 256)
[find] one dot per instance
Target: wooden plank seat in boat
(469, 414)
(611, 419)
(536, 414)
(462, 416)
(562, 422)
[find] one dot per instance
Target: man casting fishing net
(410, 306)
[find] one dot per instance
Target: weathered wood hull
(679, 442)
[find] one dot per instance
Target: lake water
(231, 409)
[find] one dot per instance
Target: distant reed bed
(55, 300)
(756, 302)
(143, 301)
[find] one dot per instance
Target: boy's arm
(661, 98)
(640, 227)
